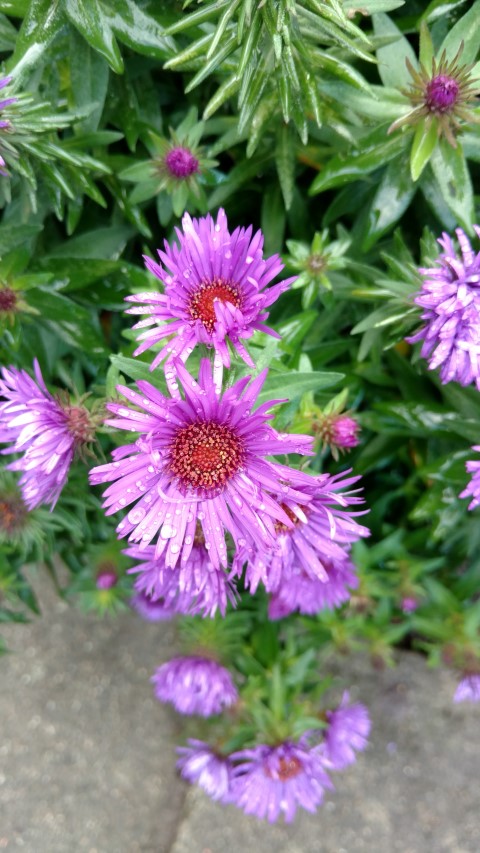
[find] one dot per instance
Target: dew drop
(136, 515)
(167, 531)
(174, 549)
(151, 469)
(188, 540)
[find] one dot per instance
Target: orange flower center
(287, 769)
(201, 306)
(206, 455)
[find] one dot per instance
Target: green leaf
(73, 323)
(291, 385)
(424, 142)
(8, 34)
(135, 369)
(426, 52)
(451, 173)
(285, 163)
(391, 58)
(376, 150)
(371, 7)
(42, 21)
(94, 26)
(467, 29)
(89, 80)
(104, 243)
(137, 29)
(440, 9)
(16, 235)
(392, 198)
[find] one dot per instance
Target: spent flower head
(316, 262)
(200, 765)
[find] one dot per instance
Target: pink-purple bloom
(4, 123)
(319, 534)
(270, 780)
(450, 298)
(195, 685)
(161, 610)
(298, 591)
(200, 765)
(193, 586)
(473, 488)
(468, 689)
(41, 428)
(441, 93)
(347, 732)
(181, 163)
(106, 579)
(200, 459)
(214, 291)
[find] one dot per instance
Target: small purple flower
(200, 765)
(214, 290)
(409, 604)
(318, 535)
(473, 488)
(307, 595)
(441, 93)
(181, 163)
(150, 610)
(199, 459)
(450, 297)
(345, 432)
(44, 430)
(106, 578)
(347, 732)
(195, 586)
(468, 689)
(195, 685)
(269, 780)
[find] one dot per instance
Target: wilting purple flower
(150, 610)
(347, 732)
(468, 689)
(195, 685)
(298, 591)
(473, 488)
(214, 290)
(46, 431)
(194, 586)
(181, 163)
(200, 765)
(269, 780)
(450, 297)
(318, 535)
(199, 459)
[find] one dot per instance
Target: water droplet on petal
(167, 531)
(174, 549)
(136, 515)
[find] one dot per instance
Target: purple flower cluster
(473, 489)
(45, 431)
(450, 298)
(268, 781)
(468, 689)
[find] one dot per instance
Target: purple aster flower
(450, 297)
(200, 765)
(106, 578)
(298, 591)
(468, 689)
(409, 604)
(152, 611)
(347, 732)
(473, 488)
(46, 431)
(181, 163)
(199, 459)
(214, 290)
(269, 780)
(195, 685)
(318, 535)
(194, 586)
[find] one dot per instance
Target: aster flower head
(300, 592)
(473, 489)
(106, 578)
(214, 291)
(271, 780)
(199, 458)
(200, 765)
(46, 431)
(318, 537)
(195, 685)
(161, 610)
(316, 262)
(348, 729)
(442, 94)
(450, 299)
(195, 586)
(468, 689)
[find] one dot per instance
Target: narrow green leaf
(89, 81)
(285, 163)
(291, 385)
(424, 142)
(42, 21)
(453, 178)
(356, 164)
(391, 58)
(467, 29)
(393, 196)
(137, 29)
(93, 25)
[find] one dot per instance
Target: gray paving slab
(87, 758)
(87, 755)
